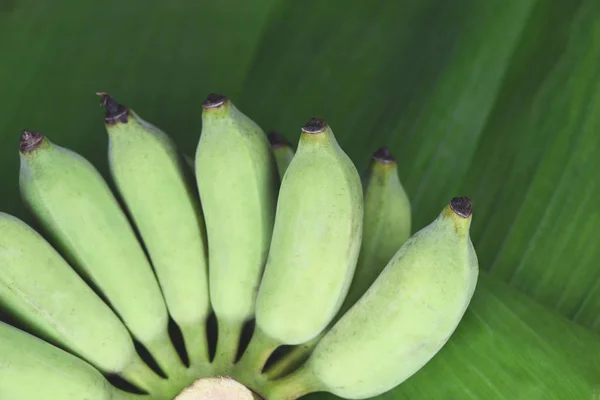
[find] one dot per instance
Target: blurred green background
(498, 100)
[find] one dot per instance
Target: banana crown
(424, 290)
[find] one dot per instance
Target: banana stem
(166, 356)
(142, 376)
(258, 352)
(228, 343)
(293, 359)
(295, 385)
(196, 343)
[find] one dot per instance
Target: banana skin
(30, 367)
(41, 291)
(82, 217)
(403, 319)
(238, 183)
(316, 239)
(149, 173)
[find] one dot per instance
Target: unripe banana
(403, 319)
(316, 239)
(387, 225)
(237, 181)
(41, 291)
(149, 174)
(77, 209)
(282, 150)
(33, 369)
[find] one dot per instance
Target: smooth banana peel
(57, 305)
(429, 282)
(149, 174)
(316, 239)
(30, 368)
(78, 211)
(237, 180)
(387, 225)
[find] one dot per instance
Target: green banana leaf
(496, 100)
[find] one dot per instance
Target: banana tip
(214, 100)
(462, 206)
(30, 140)
(277, 140)
(315, 125)
(383, 155)
(115, 112)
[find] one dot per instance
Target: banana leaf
(496, 100)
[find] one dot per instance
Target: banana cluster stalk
(249, 229)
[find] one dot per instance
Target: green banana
(387, 225)
(237, 181)
(149, 175)
(30, 368)
(41, 291)
(315, 245)
(403, 319)
(77, 209)
(283, 151)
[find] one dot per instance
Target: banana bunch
(310, 273)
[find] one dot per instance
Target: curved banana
(237, 181)
(387, 225)
(41, 291)
(149, 174)
(30, 368)
(315, 245)
(403, 319)
(77, 209)
(283, 151)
